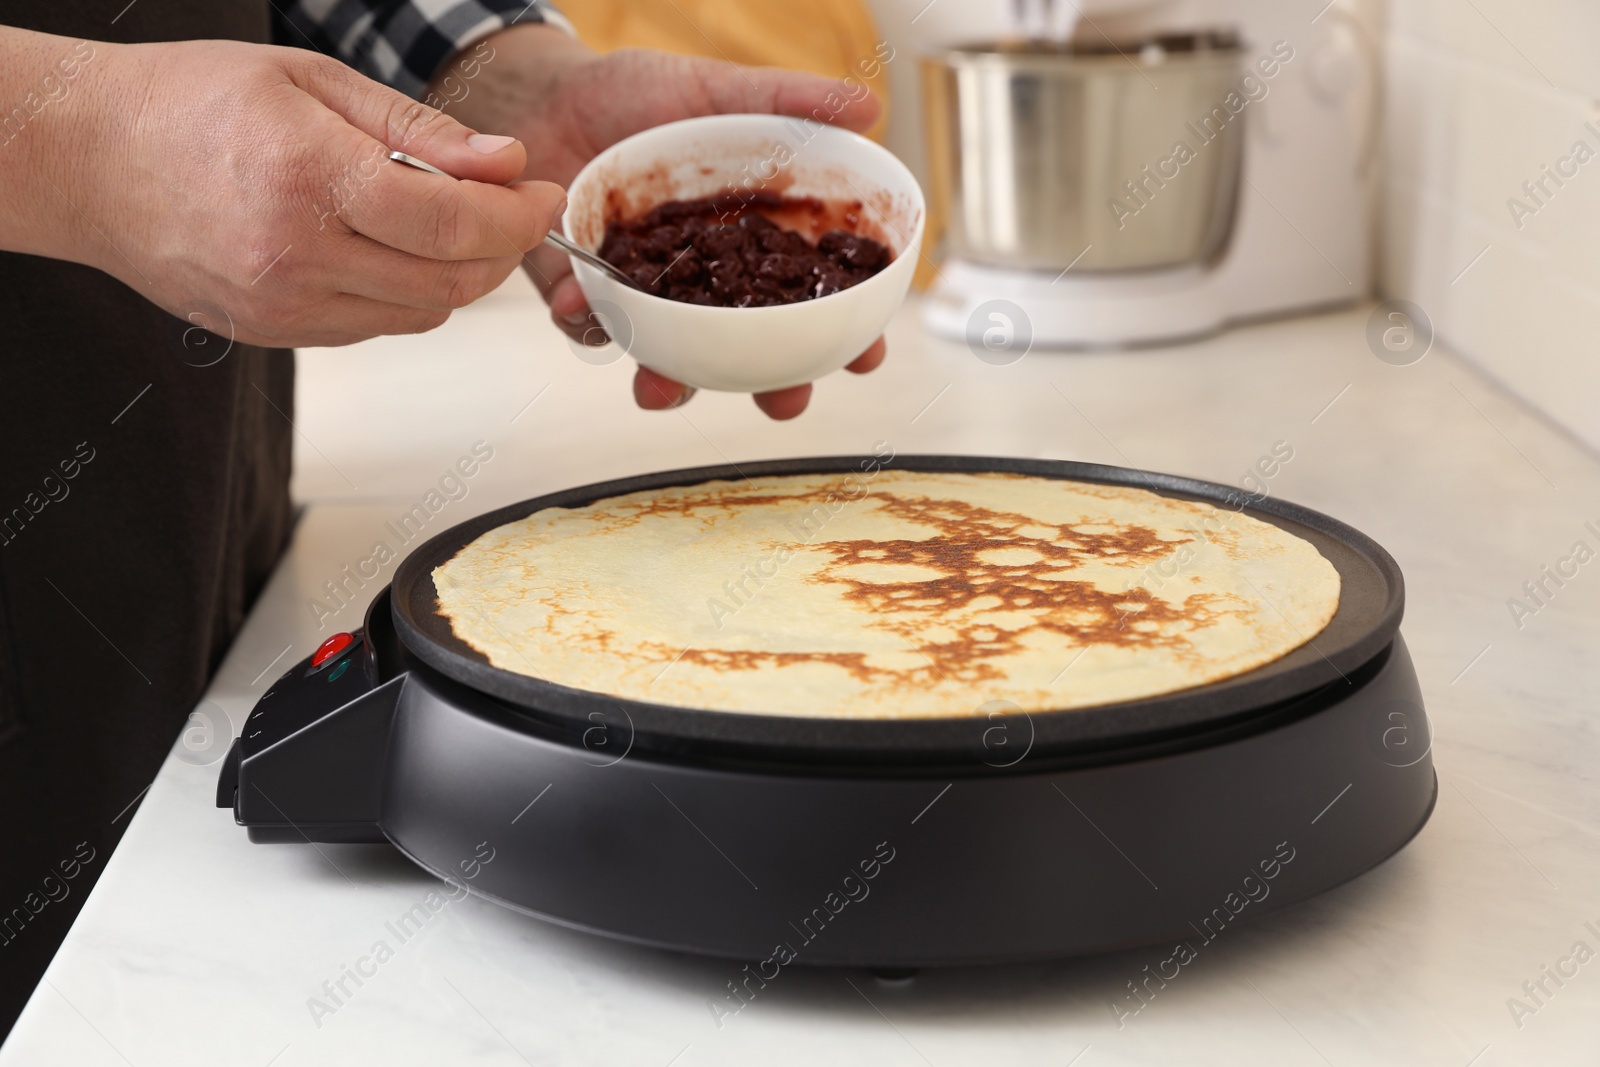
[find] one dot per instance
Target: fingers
(784, 404)
(870, 360)
(570, 309)
(364, 317)
(440, 218)
(344, 319)
(787, 403)
(475, 216)
(381, 273)
(773, 91)
(551, 272)
(548, 267)
(655, 393)
(406, 125)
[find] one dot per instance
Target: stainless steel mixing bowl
(1125, 155)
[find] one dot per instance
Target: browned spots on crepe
(1078, 612)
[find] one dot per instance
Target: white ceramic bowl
(747, 350)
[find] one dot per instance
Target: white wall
(1480, 95)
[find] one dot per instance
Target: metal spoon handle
(413, 161)
(571, 249)
(550, 238)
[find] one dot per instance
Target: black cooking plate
(1371, 601)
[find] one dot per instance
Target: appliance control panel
(308, 764)
(341, 669)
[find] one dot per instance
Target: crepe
(886, 594)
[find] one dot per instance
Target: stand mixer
(1174, 167)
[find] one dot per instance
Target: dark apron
(143, 501)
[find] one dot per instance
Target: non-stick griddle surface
(1371, 599)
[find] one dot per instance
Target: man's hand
(248, 189)
(567, 104)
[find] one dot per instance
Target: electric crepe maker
(885, 844)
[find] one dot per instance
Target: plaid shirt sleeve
(401, 43)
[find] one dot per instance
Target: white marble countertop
(197, 947)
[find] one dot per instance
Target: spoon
(551, 237)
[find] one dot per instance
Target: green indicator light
(338, 671)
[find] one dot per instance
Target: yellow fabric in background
(833, 37)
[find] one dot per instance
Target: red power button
(331, 648)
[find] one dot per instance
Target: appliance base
(1071, 310)
(921, 867)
